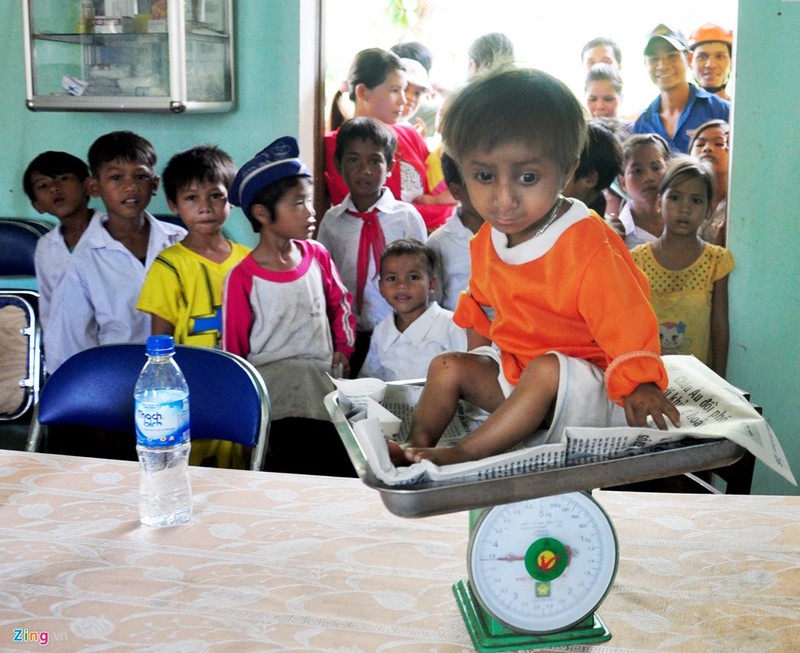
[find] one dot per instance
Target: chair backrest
(17, 244)
(21, 366)
(228, 399)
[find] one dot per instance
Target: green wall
(267, 61)
(764, 227)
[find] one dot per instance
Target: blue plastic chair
(18, 240)
(228, 399)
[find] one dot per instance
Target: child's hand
(646, 400)
(344, 361)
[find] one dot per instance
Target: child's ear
(591, 180)
(172, 206)
(90, 187)
(260, 213)
(434, 284)
(156, 181)
(361, 91)
(570, 173)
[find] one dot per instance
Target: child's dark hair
(602, 154)
(202, 163)
(637, 140)
(493, 49)
(683, 167)
(512, 105)
(603, 42)
(366, 129)
(270, 195)
(416, 51)
(370, 67)
(602, 72)
(51, 164)
(121, 146)
(411, 247)
(716, 122)
(450, 171)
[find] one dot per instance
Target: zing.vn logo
(40, 636)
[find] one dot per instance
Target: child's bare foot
(397, 454)
(437, 455)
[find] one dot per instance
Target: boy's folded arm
(620, 318)
(628, 371)
(469, 314)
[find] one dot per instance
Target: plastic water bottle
(162, 437)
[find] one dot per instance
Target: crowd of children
(547, 232)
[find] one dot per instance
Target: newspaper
(709, 406)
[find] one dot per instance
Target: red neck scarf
(371, 243)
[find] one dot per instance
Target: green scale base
(489, 635)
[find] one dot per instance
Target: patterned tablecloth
(293, 563)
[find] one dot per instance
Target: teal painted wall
(764, 228)
(267, 61)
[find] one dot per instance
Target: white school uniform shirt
(51, 258)
(95, 303)
(633, 235)
(451, 244)
(341, 232)
(395, 356)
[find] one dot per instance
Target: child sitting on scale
(560, 329)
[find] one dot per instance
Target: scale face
(542, 566)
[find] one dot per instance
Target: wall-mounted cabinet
(129, 55)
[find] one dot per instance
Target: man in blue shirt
(680, 106)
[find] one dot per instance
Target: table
(273, 562)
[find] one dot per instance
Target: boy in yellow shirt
(183, 288)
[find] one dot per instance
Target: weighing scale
(543, 555)
(538, 570)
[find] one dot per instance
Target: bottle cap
(160, 345)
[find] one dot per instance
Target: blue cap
(160, 345)
(276, 161)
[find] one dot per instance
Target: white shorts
(581, 399)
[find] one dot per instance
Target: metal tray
(435, 498)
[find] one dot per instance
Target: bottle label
(162, 424)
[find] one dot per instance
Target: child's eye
(483, 176)
(218, 196)
(389, 277)
(414, 277)
(527, 177)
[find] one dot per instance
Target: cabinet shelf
(188, 67)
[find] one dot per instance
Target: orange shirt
(573, 289)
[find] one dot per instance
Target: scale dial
(542, 565)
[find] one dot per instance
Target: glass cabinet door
(129, 55)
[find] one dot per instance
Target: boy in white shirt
(450, 242)
(55, 182)
(418, 329)
(369, 218)
(96, 301)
